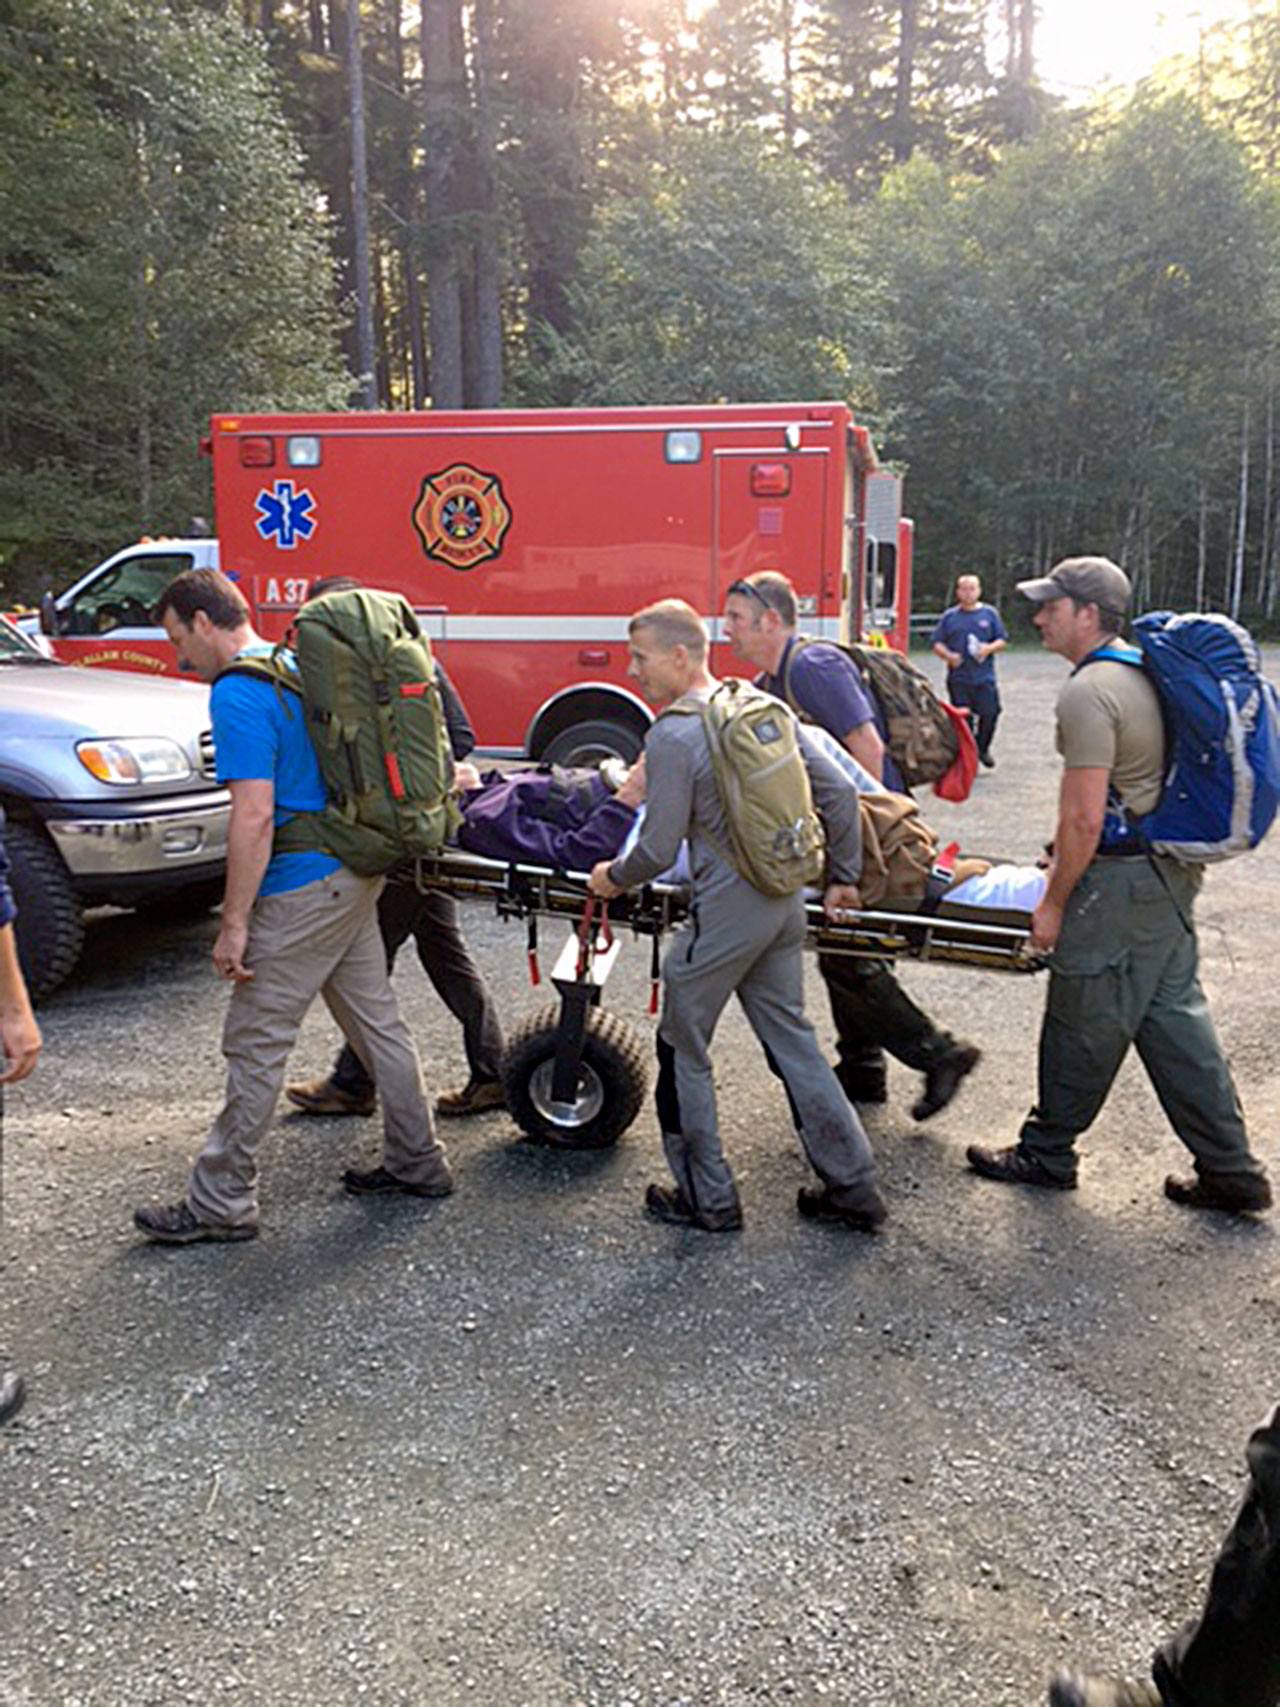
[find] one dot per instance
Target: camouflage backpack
(776, 837)
(918, 732)
(367, 685)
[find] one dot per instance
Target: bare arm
(949, 658)
(248, 853)
(990, 649)
(866, 746)
(19, 1033)
(1082, 808)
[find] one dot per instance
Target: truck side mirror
(48, 615)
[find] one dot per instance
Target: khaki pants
(322, 939)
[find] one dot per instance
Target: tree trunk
(442, 100)
(488, 280)
(788, 74)
(1026, 41)
(366, 394)
(1268, 489)
(1242, 522)
(1202, 543)
(319, 37)
(903, 142)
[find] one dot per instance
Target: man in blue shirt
(294, 926)
(20, 1046)
(871, 1010)
(967, 638)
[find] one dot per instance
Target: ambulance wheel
(585, 744)
(612, 1078)
(50, 924)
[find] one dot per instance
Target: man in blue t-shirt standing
(823, 685)
(967, 638)
(294, 926)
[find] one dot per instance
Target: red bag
(956, 782)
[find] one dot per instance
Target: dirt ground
(527, 1447)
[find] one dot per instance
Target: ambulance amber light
(303, 452)
(684, 447)
(257, 453)
(770, 480)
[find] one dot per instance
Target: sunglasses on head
(750, 592)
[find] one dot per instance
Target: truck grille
(208, 763)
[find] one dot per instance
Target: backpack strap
(1121, 832)
(300, 831)
(1114, 652)
(794, 645)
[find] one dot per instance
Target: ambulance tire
(612, 1080)
(50, 923)
(585, 744)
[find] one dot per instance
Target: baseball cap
(1094, 580)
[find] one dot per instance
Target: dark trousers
(872, 1013)
(432, 920)
(1230, 1655)
(982, 701)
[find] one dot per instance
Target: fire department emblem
(461, 516)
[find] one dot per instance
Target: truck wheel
(585, 744)
(611, 1081)
(50, 926)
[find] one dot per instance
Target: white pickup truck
(109, 795)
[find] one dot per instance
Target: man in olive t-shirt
(1118, 922)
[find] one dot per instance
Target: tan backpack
(899, 853)
(777, 842)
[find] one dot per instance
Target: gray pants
(433, 922)
(321, 940)
(739, 940)
(1126, 972)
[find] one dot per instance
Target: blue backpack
(1222, 733)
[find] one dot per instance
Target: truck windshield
(15, 648)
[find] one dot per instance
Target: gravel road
(527, 1447)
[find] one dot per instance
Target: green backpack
(776, 836)
(367, 682)
(918, 732)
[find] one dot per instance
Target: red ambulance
(525, 539)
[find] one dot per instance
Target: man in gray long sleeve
(739, 940)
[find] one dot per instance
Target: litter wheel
(50, 927)
(612, 1078)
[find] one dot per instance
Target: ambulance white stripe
(442, 625)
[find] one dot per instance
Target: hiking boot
(13, 1395)
(1074, 1689)
(867, 1215)
(322, 1096)
(175, 1224)
(377, 1182)
(943, 1078)
(1235, 1194)
(1015, 1166)
(669, 1203)
(477, 1096)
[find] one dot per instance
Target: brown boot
(322, 1096)
(477, 1096)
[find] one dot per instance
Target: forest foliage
(1061, 320)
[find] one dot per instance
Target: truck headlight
(141, 759)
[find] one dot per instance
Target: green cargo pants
(1125, 971)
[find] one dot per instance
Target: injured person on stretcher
(569, 820)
